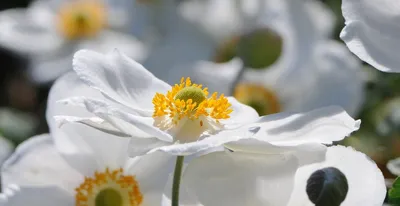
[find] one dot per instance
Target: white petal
(218, 77)
(211, 14)
(335, 78)
(128, 123)
(152, 172)
(306, 153)
(67, 86)
(241, 114)
(36, 162)
(370, 185)
(323, 125)
(6, 148)
(324, 18)
(394, 166)
(108, 40)
(371, 32)
(118, 77)
(226, 178)
(20, 33)
(35, 196)
(45, 69)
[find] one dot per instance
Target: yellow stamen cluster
(186, 100)
(81, 18)
(126, 186)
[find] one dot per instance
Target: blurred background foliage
(23, 104)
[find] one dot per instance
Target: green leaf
(394, 193)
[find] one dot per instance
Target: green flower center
(258, 49)
(196, 94)
(108, 197)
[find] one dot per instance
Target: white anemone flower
(184, 119)
(332, 77)
(226, 175)
(210, 30)
(371, 32)
(50, 31)
(101, 175)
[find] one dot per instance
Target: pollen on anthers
(189, 100)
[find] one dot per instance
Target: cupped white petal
(235, 178)
(152, 172)
(36, 162)
(6, 148)
(108, 40)
(335, 78)
(35, 196)
(363, 176)
(118, 77)
(20, 32)
(371, 32)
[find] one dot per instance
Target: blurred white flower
(6, 148)
(260, 179)
(372, 32)
(50, 31)
(99, 175)
(332, 77)
(184, 120)
(282, 34)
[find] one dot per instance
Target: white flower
(50, 31)
(6, 148)
(101, 173)
(211, 29)
(331, 77)
(237, 178)
(184, 119)
(366, 184)
(371, 32)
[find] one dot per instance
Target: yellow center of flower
(260, 98)
(109, 188)
(81, 18)
(258, 49)
(188, 107)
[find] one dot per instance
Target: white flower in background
(279, 34)
(6, 148)
(50, 31)
(101, 175)
(185, 119)
(268, 183)
(332, 77)
(371, 32)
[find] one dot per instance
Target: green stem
(177, 180)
